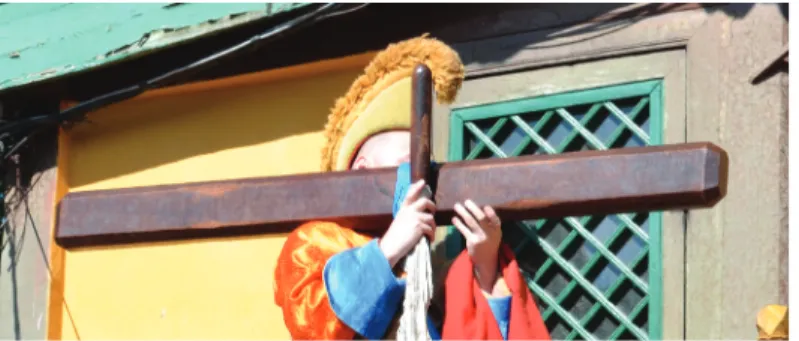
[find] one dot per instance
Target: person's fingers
(427, 218)
(424, 205)
(467, 218)
(476, 212)
(429, 231)
(413, 193)
(492, 216)
(428, 205)
(465, 231)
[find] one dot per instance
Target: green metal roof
(41, 41)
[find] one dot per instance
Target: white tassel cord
(418, 293)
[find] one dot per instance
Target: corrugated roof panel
(43, 41)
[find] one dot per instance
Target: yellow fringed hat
(380, 99)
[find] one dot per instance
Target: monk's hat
(380, 99)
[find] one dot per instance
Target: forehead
(398, 138)
(387, 148)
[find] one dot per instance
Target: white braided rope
(418, 293)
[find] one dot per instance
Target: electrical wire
(37, 124)
(346, 11)
(78, 112)
(275, 31)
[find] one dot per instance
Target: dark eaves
(29, 126)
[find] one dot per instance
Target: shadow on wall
(236, 127)
(194, 125)
(24, 236)
(614, 18)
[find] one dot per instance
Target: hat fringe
(390, 65)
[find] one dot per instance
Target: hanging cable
(78, 112)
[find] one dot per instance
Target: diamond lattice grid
(591, 275)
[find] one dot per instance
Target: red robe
(301, 293)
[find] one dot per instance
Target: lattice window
(595, 277)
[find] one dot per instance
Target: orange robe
(317, 295)
(299, 286)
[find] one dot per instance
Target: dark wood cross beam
(421, 120)
(670, 177)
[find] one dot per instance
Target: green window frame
(579, 119)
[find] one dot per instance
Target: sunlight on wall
(256, 125)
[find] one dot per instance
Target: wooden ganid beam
(668, 177)
(421, 107)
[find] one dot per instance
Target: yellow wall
(256, 125)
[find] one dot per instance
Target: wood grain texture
(623, 180)
(421, 118)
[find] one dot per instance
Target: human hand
(483, 233)
(413, 220)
